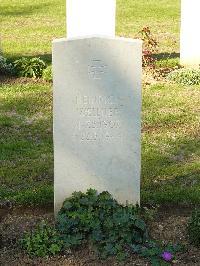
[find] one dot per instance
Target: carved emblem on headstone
(97, 69)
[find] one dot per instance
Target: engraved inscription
(98, 111)
(98, 124)
(96, 136)
(100, 100)
(97, 69)
(98, 118)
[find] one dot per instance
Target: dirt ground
(9, 80)
(168, 225)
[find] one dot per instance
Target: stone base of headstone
(97, 117)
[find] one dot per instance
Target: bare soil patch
(9, 80)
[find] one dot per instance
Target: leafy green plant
(149, 47)
(194, 228)
(43, 241)
(47, 74)
(29, 67)
(111, 228)
(6, 68)
(157, 253)
(99, 219)
(185, 76)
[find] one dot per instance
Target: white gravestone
(97, 117)
(90, 17)
(190, 36)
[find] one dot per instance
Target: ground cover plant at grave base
(43, 241)
(194, 228)
(185, 76)
(110, 228)
(98, 217)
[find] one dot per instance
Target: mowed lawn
(28, 27)
(26, 146)
(171, 113)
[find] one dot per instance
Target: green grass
(28, 27)
(170, 144)
(26, 152)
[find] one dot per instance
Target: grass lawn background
(171, 126)
(28, 27)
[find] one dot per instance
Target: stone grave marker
(190, 36)
(90, 17)
(97, 114)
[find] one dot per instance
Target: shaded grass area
(28, 27)
(26, 154)
(170, 144)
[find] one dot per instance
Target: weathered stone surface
(97, 123)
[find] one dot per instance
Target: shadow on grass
(47, 58)
(164, 56)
